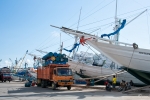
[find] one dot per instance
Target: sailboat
(130, 57)
(135, 60)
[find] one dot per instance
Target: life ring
(135, 46)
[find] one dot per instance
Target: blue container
(55, 54)
(63, 56)
(45, 57)
(57, 59)
(59, 55)
(66, 59)
(62, 59)
(50, 54)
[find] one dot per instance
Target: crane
(21, 61)
(35, 56)
(39, 59)
(12, 64)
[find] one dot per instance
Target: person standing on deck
(114, 81)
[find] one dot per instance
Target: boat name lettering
(144, 53)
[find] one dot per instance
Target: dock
(17, 91)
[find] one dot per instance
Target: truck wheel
(5, 81)
(43, 84)
(38, 84)
(53, 86)
(68, 87)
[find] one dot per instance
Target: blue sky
(25, 24)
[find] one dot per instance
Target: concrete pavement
(17, 91)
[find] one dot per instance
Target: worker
(114, 82)
(108, 86)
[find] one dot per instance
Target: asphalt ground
(17, 91)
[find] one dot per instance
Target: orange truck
(55, 75)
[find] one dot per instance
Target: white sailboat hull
(135, 61)
(94, 71)
(124, 56)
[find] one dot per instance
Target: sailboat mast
(77, 29)
(116, 36)
(61, 45)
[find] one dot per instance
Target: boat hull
(141, 75)
(95, 71)
(134, 59)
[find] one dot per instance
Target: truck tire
(53, 86)
(69, 87)
(43, 84)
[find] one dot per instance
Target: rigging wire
(138, 3)
(120, 14)
(103, 20)
(70, 18)
(148, 26)
(95, 53)
(92, 13)
(94, 8)
(49, 37)
(79, 61)
(55, 44)
(47, 42)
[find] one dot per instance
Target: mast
(61, 45)
(117, 24)
(76, 37)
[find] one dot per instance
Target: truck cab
(5, 77)
(55, 75)
(62, 77)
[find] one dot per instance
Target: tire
(69, 87)
(43, 84)
(53, 86)
(38, 85)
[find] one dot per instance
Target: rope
(130, 59)
(93, 12)
(148, 26)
